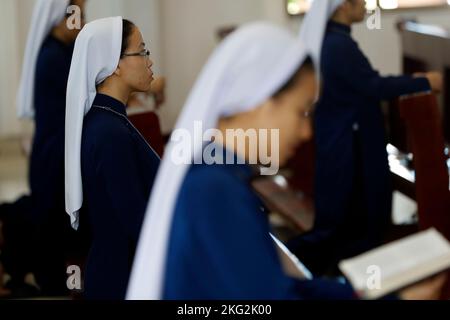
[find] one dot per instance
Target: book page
(398, 264)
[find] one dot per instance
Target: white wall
(383, 47)
(181, 36)
(188, 38)
(15, 17)
(9, 66)
(146, 14)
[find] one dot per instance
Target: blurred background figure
(38, 237)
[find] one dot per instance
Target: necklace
(131, 124)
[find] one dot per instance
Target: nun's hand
(429, 289)
(434, 78)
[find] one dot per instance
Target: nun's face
(135, 70)
(357, 10)
(290, 112)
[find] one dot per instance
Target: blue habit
(220, 247)
(53, 239)
(118, 169)
(47, 158)
(352, 181)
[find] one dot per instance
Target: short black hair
(307, 65)
(126, 34)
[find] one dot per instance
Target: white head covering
(46, 15)
(312, 30)
(95, 58)
(234, 80)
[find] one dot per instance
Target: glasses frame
(143, 53)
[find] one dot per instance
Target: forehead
(136, 39)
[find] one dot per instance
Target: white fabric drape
(95, 58)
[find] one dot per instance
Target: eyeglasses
(144, 53)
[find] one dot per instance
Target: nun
(205, 235)
(42, 97)
(109, 167)
(352, 179)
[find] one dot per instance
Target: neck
(342, 20)
(114, 91)
(59, 33)
(235, 123)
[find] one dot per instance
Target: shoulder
(50, 54)
(337, 45)
(216, 183)
(53, 63)
(214, 189)
(106, 128)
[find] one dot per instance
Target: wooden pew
(292, 205)
(425, 48)
(424, 129)
(432, 165)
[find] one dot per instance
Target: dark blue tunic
(118, 169)
(220, 247)
(47, 158)
(352, 184)
(54, 240)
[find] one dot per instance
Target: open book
(397, 265)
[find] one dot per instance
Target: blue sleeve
(117, 167)
(345, 62)
(234, 234)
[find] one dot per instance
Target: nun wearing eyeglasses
(32, 224)
(110, 168)
(206, 235)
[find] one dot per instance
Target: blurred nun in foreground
(205, 235)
